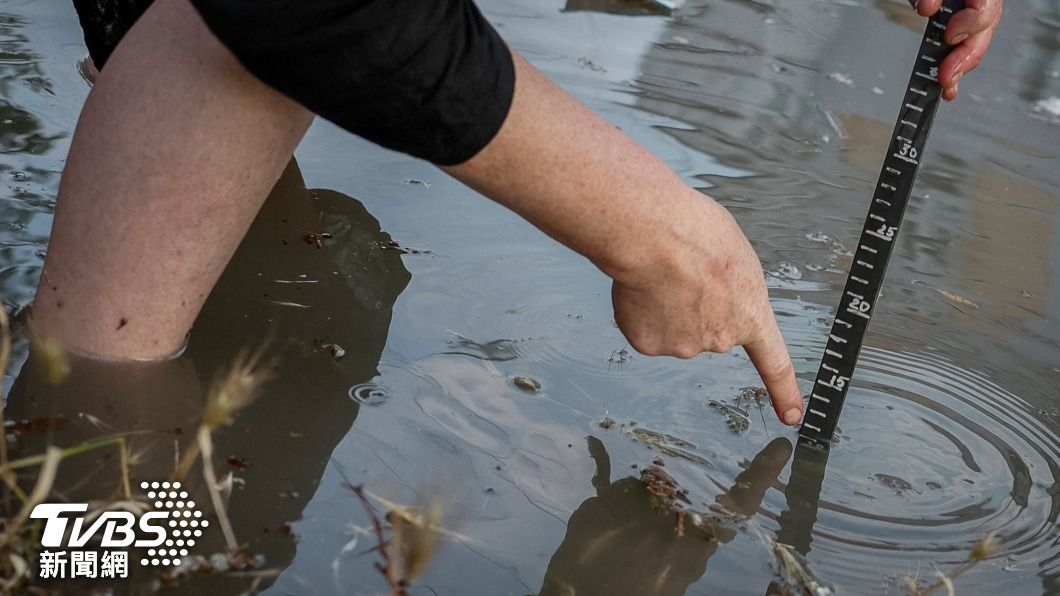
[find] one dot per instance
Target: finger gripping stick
(889, 199)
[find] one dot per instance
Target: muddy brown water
(441, 299)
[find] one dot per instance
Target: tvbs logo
(166, 531)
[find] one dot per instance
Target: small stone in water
(607, 422)
(526, 384)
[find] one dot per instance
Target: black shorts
(430, 78)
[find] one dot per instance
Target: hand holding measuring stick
(970, 31)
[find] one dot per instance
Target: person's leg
(176, 148)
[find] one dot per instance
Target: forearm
(584, 182)
(686, 280)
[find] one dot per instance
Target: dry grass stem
(414, 536)
(45, 481)
(205, 442)
(981, 550)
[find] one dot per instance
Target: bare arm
(685, 278)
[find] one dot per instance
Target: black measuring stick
(858, 302)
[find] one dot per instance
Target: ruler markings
(897, 177)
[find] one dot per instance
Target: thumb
(770, 357)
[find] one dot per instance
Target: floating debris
(526, 384)
(956, 298)
(417, 182)
(667, 444)
(619, 357)
(393, 245)
(796, 573)
(753, 394)
(607, 422)
(841, 78)
(663, 486)
(737, 419)
(896, 484)
(337, 352)
(316, 239)
(589, 64)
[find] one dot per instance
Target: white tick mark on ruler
(818, 397)
(879, 200)
(863, 282)
(872, 250)
(864, 264)
(876, 217)
(912, 107)
(910, 124)
(834, 354)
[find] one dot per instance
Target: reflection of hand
(622, 542)
(970, 30)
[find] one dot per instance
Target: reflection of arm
(623, 541)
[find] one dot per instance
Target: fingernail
(792, 416)
(959, 38)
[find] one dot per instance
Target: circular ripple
(369, 394)
(932, 458)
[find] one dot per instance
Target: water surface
(441, 299)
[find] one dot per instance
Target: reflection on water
(783, 111)
(281, 443)
(625, 540)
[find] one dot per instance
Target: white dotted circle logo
(185, 523)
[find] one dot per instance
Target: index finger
(770, 357)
